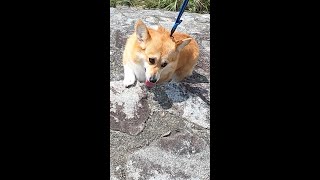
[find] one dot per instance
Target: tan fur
(180, 52)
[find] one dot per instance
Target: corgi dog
(153, 57)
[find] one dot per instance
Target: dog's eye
(152, 60)
(164, 64)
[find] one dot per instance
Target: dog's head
(160, 51)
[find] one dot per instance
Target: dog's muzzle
(153, 79)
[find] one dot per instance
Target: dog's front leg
(129, 76)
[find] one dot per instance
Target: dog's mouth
(150, 84)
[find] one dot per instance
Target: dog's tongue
(150, 84)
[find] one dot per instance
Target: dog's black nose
(153, 79)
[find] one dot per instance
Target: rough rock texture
(179, 156)
(162, 133)
(129, 109)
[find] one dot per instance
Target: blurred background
(194, 6)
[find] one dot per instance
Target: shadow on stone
(161, 96)
(199, 92)
(196, 78)
(170, 93)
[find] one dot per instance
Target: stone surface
(129, 109)
(162, 133)
(178, 156)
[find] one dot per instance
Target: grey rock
(179, 156)
(112, 173)
(164, 132)
(183, 100)
(128, 108)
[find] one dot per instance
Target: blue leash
(178, 21)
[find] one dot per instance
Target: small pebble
(162, 114)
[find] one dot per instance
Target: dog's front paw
(128, 82)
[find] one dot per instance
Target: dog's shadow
(196, 78)
(170, 93)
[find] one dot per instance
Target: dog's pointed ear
(142, 33)
(182, 43)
